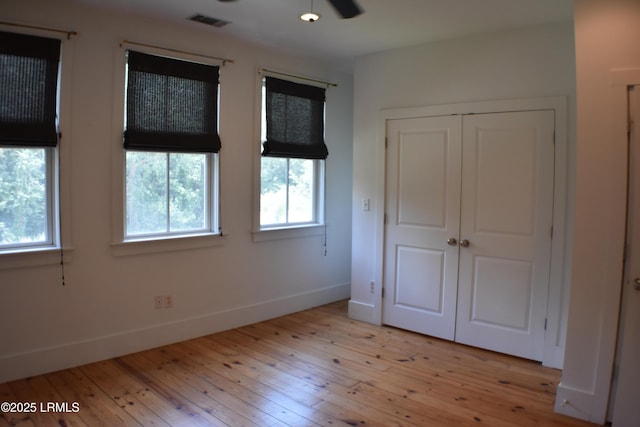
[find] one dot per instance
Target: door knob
(636, 283)
(464, 243)
(452, 241)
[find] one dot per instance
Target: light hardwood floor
(316, 367)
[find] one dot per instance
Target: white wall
(606, 34)
(107, 305)
(527, 63)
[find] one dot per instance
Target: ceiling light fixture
(310, 16)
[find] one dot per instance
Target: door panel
(422, 167)
(504, 181)
(423, 212)
(507, 204)
(506, 307)
(427, 265)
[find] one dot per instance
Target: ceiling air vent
(218, 23)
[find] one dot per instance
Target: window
(29, 68)
(293, 153)
(172, 144)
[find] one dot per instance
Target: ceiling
(385, 24)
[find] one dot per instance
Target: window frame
(292, 230)
(121, 244)
(51, 240)
(316, 198)
(58, 198)
(211, 214)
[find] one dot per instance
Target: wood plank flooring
(312, 368)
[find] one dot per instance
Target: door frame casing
(557, 302)
(591, 402)
(624, 353)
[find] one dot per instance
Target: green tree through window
(23, 195)
(166, 192)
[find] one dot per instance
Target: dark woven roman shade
(28, 90)
(172, 105)
(295, 120)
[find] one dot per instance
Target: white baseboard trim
(363, 312)
(578, 403)
(68, 355)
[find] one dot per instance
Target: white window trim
(35, 258)
(166, 244)
(128, 246)
(291, 232)
(60, 196)
(277, 232)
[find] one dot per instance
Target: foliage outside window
(293, 153)
(24, 213)
(288, 188)
(29, 68)
(172, 145)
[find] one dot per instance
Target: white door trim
(591, 403)
(623, 407)
(559, 280)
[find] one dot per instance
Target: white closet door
(423, 212)
(506, 218)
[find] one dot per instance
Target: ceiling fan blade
(346, 8)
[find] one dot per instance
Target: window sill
(166, 244)
(34, 257)
(280, 233)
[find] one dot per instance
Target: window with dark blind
(172, 105)
(293, 154)
(294, 120)
(28, 141)
(28, 90)
(171, 147)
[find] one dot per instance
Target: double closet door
(469, 203)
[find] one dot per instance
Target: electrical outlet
(158, 300)
(163, 301)
(372, 286)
